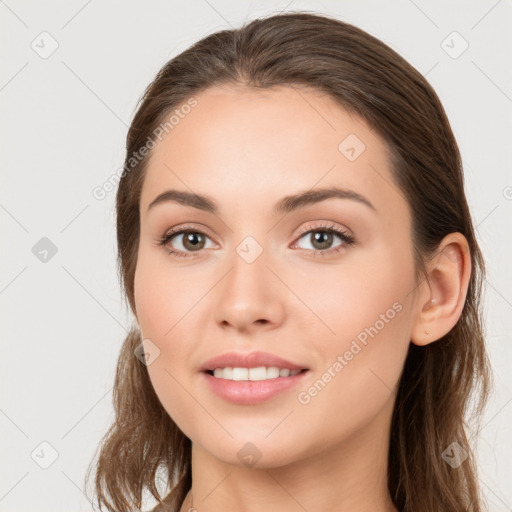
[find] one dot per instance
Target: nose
(250, 297)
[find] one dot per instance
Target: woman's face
(265, 272)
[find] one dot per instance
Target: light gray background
(64, 122)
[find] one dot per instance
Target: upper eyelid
(332, 227)
(180, 229)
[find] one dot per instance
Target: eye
(321, 239)
(187, 239)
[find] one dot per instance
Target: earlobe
(442, 294)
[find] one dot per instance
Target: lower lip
(247, 392)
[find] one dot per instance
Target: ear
(442, 294)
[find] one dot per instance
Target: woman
(296, 247)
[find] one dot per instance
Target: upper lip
(249, 360)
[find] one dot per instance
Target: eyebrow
(285, 205)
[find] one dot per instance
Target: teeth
(259, 373)
(240, 374)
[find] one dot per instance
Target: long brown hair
(370, 79)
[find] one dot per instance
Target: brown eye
(321, 240)
(185, 242)
(192, 240)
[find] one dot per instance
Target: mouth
(252, 378)
(252, 386)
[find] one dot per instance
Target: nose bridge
(248, 293)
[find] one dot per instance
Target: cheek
(167, 308)
(161, 297)
(364, 318)
(344, 300)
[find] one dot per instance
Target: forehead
(260, 145)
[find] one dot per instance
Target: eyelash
(347, 239)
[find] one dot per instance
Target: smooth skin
(246, 150)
